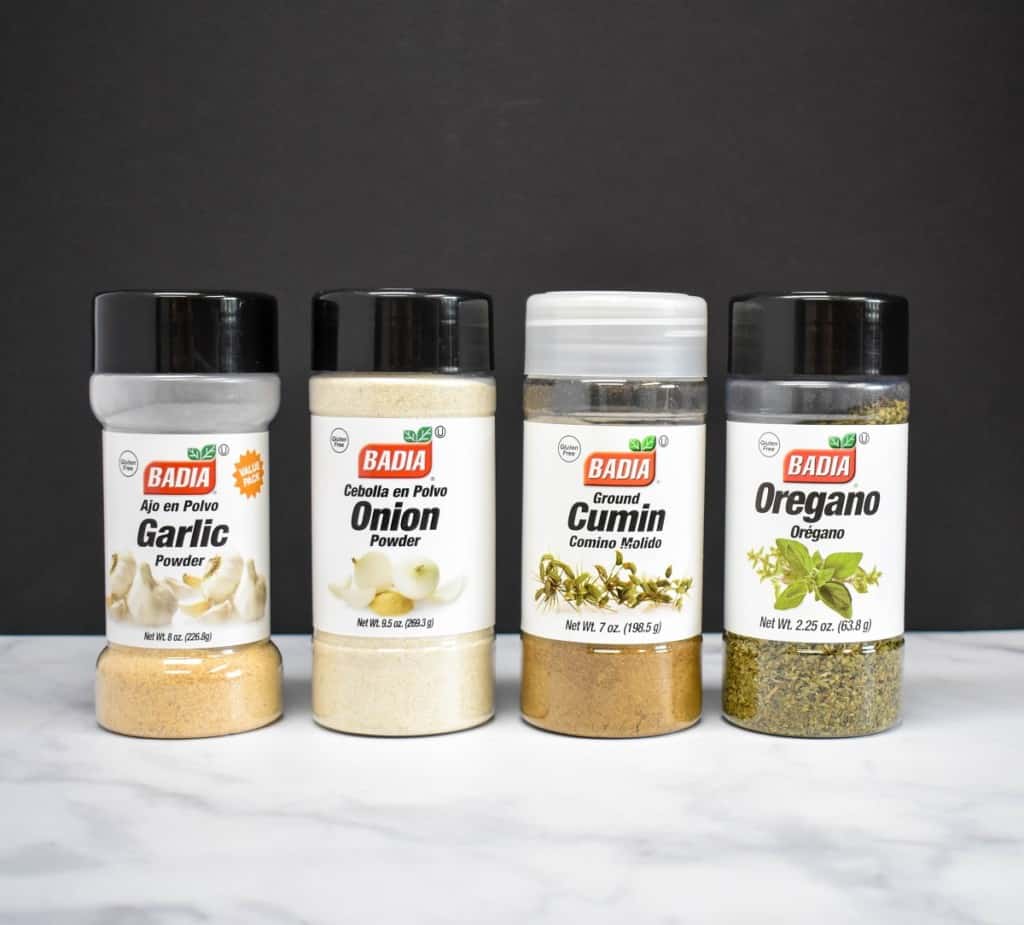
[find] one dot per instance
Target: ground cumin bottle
(185, 385)
(402, 401)
(817, 402)
(613, 512)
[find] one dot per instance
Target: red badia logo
(632, 469)
(836, 465)
(411, 459)
(195, 476)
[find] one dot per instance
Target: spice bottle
(402, 401)
(613, 512)
(817, 402)
(185, 385)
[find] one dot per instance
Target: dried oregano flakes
(816, 691)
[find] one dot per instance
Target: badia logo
(836, 465)
(195, 476)
(411, 459)
(624, 469)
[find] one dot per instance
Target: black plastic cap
(403, 330)
(143, 331)
(781, 335)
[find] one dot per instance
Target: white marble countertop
(293, 824)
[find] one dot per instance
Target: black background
(514, 147)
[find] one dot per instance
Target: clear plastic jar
(611, 605)
(402, 412)
(816, 462)
(177, 681)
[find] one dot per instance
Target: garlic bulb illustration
(417, 578)
(372, 571)
(121, 575)
(150, 603)
(224, 612)
(118, 609)
(221, 578)
(251, 596)
(194, 608)
(183, 592)
(119, 583)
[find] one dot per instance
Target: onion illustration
(417, 578)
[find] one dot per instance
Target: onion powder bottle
(402, 440)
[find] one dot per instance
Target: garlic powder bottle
(185, 385)
(402, 442)
(613, 512)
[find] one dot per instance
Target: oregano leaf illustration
(634, 445)
(209, 451)
(193, 452)
(409, 436)
(849, 441)
(796, 556)
(792, 596)
(795, 572)
(835, 443)
(844, 563)
(424, 434)
(835, 595)
(649, 443)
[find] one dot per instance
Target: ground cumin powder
(403, 686)
(611, 692)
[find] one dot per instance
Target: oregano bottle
(817, 402)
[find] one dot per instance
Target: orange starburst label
(249, 474)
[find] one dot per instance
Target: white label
(403, 525)
(187, 531)
(815, 541)
(623, 505)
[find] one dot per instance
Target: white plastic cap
(618, 335)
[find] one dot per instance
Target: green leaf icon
(409, 436)
(635, 445)
(424, 434)
(649, 443)
(844, 563)
(835, 443)
(193, 452)
(209, 451)
(835, 595)
(849, 441)
(792, 597)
